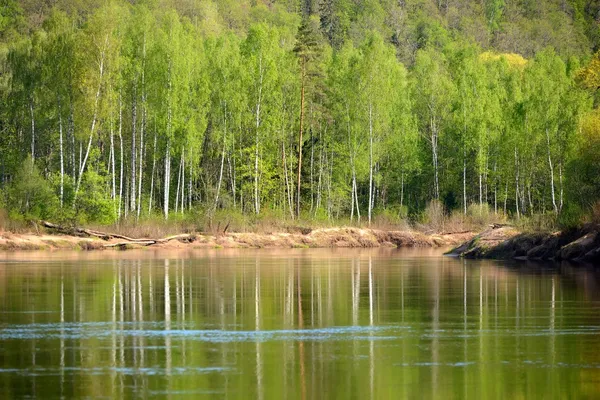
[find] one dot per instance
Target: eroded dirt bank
(318, 238)
(581, 244)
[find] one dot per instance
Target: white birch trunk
(94, 120)
(182, 180)
(121, 155)
(133, 185)
(464, 182)
(153, 172)
(62, 163)
(221, 176)
(554, 206)
(560, 182)
(178, 185)
(480, 190)
(32, 130)
(517, 183)
(258, 106)
(113, 191)
(142, 130)
(167, 179)
(356, 195)
(370, 210)
(287, 180)
(141, 157)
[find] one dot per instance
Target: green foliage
(195, 109)
(479, 214)
(30, 196)
(571, 216)
(95, 204)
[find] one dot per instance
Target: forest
(312, 110)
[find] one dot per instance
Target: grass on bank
(433, 219)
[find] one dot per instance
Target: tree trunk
(299, 179)
(141, 158)
(32, 130)
(434, 150)
(560, 182)
(167, 180)
(287, 180)
(121, 157)
(402, 189)
(256, 152)
(505, 196)
(320, 178)
(464, 181)
(352, 199)
(355, 185)
(370, 210)
(480, 190)
(554, 206)
(152, 178)
(113, 191)
(312, 165)
(182, 180)
(94, 120)
(222, 162)
(62, 163)
(495, 189)
(190, 181)
(517, 183)
(178, 184)
(142, 130)
(231, 165)
(71, 134)
(133, 185)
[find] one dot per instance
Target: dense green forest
(313, 109)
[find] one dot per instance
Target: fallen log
(498, 226)
(76, 231)
(138, 242)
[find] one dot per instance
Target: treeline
(124, 111)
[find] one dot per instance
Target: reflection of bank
(372, 341)
(488, 319)
(167, 300)
(259, 362)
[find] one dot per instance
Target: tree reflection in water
(295, 324)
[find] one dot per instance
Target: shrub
(479, 214)
(94, 203)
(434, 215)
(30, 196)
(391, 218)
(571, 216)
(595, 214)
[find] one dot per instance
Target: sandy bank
(318, 238)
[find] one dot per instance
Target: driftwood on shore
(76, 231)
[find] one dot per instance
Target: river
(295, 324)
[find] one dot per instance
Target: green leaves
(208, 99)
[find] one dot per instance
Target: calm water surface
(291, 324)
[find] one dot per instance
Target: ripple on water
(128, 371)
(99, 330)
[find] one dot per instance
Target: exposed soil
(318, 238)
(581, 244)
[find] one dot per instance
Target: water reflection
(296, 324)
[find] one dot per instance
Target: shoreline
(496, 242)
(344, 237)
(505, 243)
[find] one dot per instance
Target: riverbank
(317, 238)
(505, 242)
